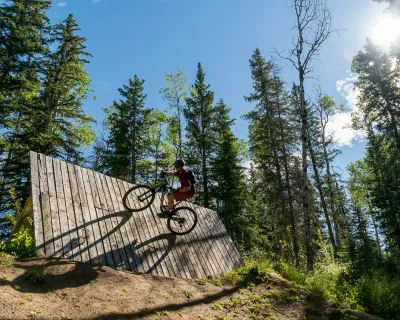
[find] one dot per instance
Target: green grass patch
(251, 274)
(35, 277)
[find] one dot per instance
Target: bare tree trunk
(310, 257)
(313, 25)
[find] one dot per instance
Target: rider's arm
(171, 174)
(185, 189)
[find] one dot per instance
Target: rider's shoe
(162, 215)
(165, 212)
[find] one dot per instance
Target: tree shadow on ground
(60, 273)
(170, 307)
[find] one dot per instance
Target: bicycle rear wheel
(183, 221)
(138, 198)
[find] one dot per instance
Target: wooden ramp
(78, 214)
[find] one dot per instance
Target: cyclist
(187, 189)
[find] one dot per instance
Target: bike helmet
(179, 163)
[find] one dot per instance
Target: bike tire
(127, 202)
(178, 211)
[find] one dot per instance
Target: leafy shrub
(251, 273)
(291, 273)
(380, 295)
(22, 245)
(2, 247)
(35, 277)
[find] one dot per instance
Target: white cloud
(62, 4)
(340, 124)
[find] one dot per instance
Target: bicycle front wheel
(183, 221)
(138, 198)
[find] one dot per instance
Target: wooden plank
(238, 261)
(214, 258)
(170, 248)
(203, 248)
(226, 240)
(67, 215)
(153, 233)
(104, 196)
(186, 257)
(132, 231)
(37, 211)
(126, 242)
(80, 228)
(62, 244)
(94, 221)
(93, 195)
(218, 235)
(147, 253)
(214, 235)
(203, 263)
(89, 215)
(45, 204)
(221, 241)
(159, 262)
(182, 260)
(79, 194)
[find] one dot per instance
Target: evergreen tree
(273, 137)
(229, 188)
(127, 122)
(378, 115)
(23, 44)
(199, 114)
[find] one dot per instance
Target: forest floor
(74, 290)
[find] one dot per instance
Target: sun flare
(386, 31)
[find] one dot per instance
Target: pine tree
(127, 122)
(199, 114)
(23, 44)
(378, 115)
(272, 139)
(60, 126)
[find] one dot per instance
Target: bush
(35, 277)
(291, 273)
(21, 245)
(251, 273)
(2, 247)
(380, 295)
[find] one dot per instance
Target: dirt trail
(73, 290)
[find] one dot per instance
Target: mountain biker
(187, 189)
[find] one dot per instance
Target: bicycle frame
(164, 189)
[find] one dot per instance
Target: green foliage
(251, 273)
(35, 277)
(380, 294)
(292, 273)
(22, 245)
(199, 115)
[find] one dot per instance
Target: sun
(386, 31)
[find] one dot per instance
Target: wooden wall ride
(78, 214)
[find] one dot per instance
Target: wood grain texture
(79, 214)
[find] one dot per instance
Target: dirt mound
(73, 290)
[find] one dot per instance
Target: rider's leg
(170, 201)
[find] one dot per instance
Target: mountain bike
(180, 220)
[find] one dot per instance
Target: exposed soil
(73, 290)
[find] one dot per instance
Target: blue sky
(152, 37)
